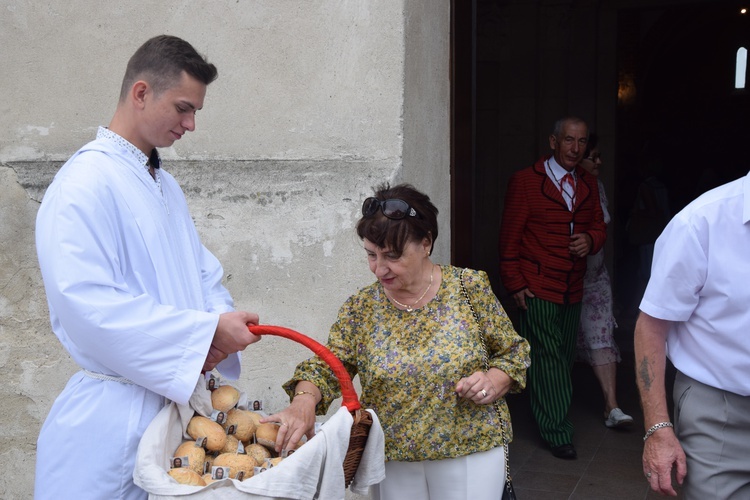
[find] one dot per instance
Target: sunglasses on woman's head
(393, 209)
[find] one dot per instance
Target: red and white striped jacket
(535, 234)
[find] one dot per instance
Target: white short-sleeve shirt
(700, 280)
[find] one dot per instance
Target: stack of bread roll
(251, 445)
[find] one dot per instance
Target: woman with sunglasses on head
(414, 341)
(596, 342)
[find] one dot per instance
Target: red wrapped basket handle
(350, 399)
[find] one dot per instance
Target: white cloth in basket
(314, 471)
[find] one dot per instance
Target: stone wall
(316, 102)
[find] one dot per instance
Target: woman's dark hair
(395, 234)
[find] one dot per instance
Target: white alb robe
(132, 293)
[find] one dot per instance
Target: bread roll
(244, 424)
(255, 416)
(265, 434)
(232, 445)
(196, 455)
(259, 452)
(185, 475)
(215, 435)
(236, 463)
(224, 398)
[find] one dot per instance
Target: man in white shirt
(134, 296)
(696, 311)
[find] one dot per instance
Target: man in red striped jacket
(551, 221)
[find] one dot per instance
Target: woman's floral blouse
(409, 364)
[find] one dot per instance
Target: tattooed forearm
(645, 374)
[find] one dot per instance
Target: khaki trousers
(713, 427)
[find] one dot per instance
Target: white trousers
(479, 476)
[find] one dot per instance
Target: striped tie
(568, 190)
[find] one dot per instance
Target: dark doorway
(668, 101)
(679, 117)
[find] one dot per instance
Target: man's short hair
(557, 128)
(160, 62)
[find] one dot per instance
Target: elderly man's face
(570, 145)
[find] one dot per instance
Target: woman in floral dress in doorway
(596, 343)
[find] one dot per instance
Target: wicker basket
(362, 419)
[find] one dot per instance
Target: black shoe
(565, 451)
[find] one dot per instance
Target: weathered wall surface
(316, 102)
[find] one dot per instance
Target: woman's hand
(297, 419)
(484, 387)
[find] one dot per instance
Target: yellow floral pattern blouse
(409, 364)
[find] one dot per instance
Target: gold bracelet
(299, 393)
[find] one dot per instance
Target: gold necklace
(411, 307)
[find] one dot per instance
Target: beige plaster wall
(316, 102)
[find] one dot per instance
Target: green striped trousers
(551, 330)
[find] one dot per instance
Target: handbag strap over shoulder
(486, 362)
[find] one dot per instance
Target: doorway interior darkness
(671, 102)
